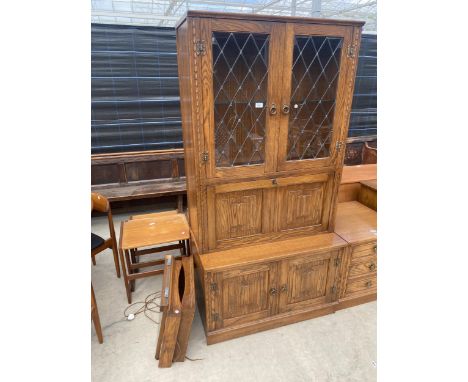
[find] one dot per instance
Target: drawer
(361, 285)
(363, 250)
(363, 266)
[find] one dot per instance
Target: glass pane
(314, 80)
(240, 76)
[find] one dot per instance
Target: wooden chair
(95, 316)
(98, 244)
(369, 154)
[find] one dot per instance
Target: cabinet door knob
(372, 267)
(375, 249)
(273, 291)
(368, 284)
(273, 109)
(285, 109)
(284, 288)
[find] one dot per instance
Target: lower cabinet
(252, 293)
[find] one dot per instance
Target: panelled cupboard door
(307, 281)
(254, 211)
(238, 211)
(243, 294)
(241, 70)
(315, 95)
(304, 202)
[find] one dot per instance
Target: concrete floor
(337, 347)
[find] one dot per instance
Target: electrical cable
(150, 305)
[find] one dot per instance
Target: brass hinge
(214, 287)
(215, 316)
(339, 145)
(204, 156)
(351, 51)
(337, 261)
(200, 49)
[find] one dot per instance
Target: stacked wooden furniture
(178, 307)
(265, 104)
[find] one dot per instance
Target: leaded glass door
(240, 61)
(313, 116)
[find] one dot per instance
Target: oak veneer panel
(361, 285)
(170, 321)
(370, 183)
(356, 222)
(363, 267)
(348, 192)
(245, 294)
(307, 281)
(301, 205)
(190, 106)
(368, 194)
(238, 214)
(187, 308)
(350, 302)
(352, 174)
(267, 323)
(139, 233)
(257, 17)
(252, 254)
(363, 250)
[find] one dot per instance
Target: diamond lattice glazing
(314, 80)
(240, 77)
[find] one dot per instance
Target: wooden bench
(153, 174)
(139, 175)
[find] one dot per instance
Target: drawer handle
(284, 288)
(368, 284)
(273, 291)
(372, 267)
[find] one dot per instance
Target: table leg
(134, 261)
(125, 273)
(130, 271)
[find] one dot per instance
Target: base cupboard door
(308, 281)
(242, 295)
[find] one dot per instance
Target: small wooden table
(155, 233)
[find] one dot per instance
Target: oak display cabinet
(265, 104)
